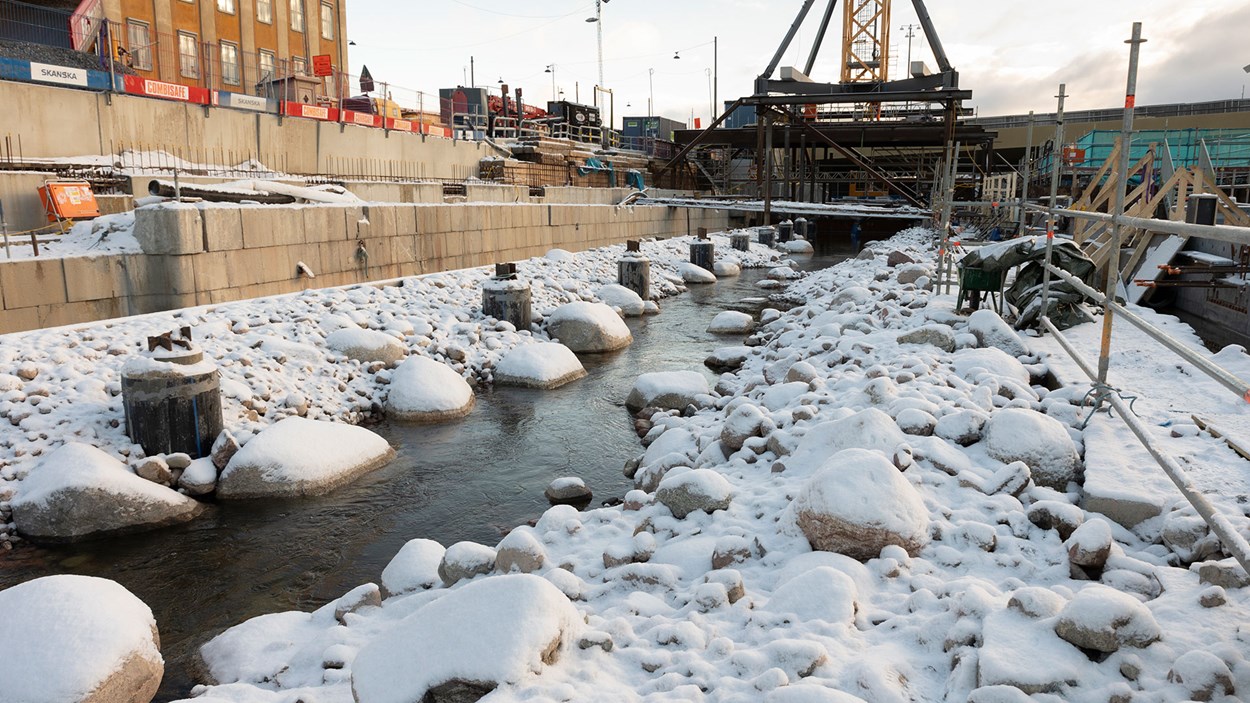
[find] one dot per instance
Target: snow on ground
(64, 385)
(729, 603)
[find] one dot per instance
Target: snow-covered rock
(520, 551)
(618, 296)
(199, 478)
(727, 358)
(963, 427)
(698, 490)
(1202, 674)
(910, 273)
(424, 390)
(77, 639)
(992, 331)
(1042, 442)
(798, 246)
(940, 336)
(744, 422)
(731, 322)
(821, 593)
(366, 345)
(726, 269)
(867, 429)
(857, 504)
(301, 457)
(414, 567)
(690, 273)
(1090, 544)
(568, 489)
(493, 632)
(1104, 619)
(78, 492)
(969, 363)
(589, 328)
(666, 390)
(543, 365)
(464, 560)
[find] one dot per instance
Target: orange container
(68, 200)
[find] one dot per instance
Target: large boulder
(630, 303)
(857, 504)
(940, 336)
(423, 390)
(414, 567)
(691, 273)
(731, 322)
(589, 328)
(991, 331)
(78, 492)
(301, 457)
(468, 642)
(1104, 619)
(822, 593)
(77, 639)
(700, 490)
(1040, 441)
(867, 429)
(366, 345)
(668, 390)
(970, 363)
(544, 365)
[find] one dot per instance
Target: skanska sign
(58, 74)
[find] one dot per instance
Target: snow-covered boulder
(867, 429)
(963, 427)
(464, 560)
(1090, 544)
(301, 457)
(910, 273)
(199, 477)
(568, 489)
(940, 336)
(588, 328)
(821, 593)
(1042, 442)
(731, 322)
(857, 504)
(77, 639)
(668, 390)
(992, 331)
(617, 296)
(1104, 619)
(366, 345)
(544, 365)
(1202, 674)
(744, 422)
(414, 567)
(690, 273)
(78, 491)
(726, 269)
(727, 358)
(697, 490)
(520, 551)
(810, 693)
(424, 390)
(489, 633)
(798, 246)
(969, 363)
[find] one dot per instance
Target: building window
(229, 63)
(140, 39)
(327, 20)
(268, 65)
(297, 15)
(299, 65)
(188, 55)
(264, 11)
(226, 6)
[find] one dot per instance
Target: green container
(972, 278)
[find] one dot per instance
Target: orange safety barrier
(68, 200)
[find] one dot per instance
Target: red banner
(363, 119)
(314, 112)
(169, 91)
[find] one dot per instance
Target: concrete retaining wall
(215, 254)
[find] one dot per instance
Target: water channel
(469, 480)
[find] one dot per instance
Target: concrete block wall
(208, 254)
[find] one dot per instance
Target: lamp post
(911, 32)
(598, 20)
(551, 68)
(1245, 68)
(650, 93)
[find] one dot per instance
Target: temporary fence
(35, 24)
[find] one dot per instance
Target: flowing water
(467, 480)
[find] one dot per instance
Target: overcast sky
(1012, 54)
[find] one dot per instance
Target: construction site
(316, 372)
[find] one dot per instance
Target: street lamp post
(911, 32)
(650, 93)
(598, 20)
(551, 68)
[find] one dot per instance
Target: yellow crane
(865, 41)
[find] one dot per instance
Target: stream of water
(468, 480)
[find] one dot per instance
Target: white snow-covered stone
(731, 322)
(992, 331)
(199, 478)
(867, 429)
(424, 390)
(858, 503)
(744, 422)
(698, 490)
(690, 273)
(798, 246)
(618, 296)
(1090, 544)
(667, 390)
(726, 269)
(414, 567)
(78, 491)
(1040, 441)
(822, 593)
(543, 365)
(1104, 619)
(971, 362)
(568, 489)
(301, 457)
(366, 345)
(520, 551)
(488, 633)
(464, 560)
(77, 639)
(588, 328)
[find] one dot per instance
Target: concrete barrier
(199, 256)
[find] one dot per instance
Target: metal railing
(1213, 107)
(34, 24)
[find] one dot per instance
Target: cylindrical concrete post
(172, 402)
(633, 271)
(801, 227)
(784, 230)
(767, 235)
(703, 254)
(509, 300)
(740, 241)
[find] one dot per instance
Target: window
(140, 39)
(188, 55)
(299, 65)
(264, 11)
(327, 20)
(297, 15)
(268, 65)
(226, 6)
(229, 63)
